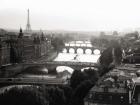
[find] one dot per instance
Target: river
(79, 57)
(71, 57)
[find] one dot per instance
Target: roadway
(63, 63)
(33, 81)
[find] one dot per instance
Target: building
(4, 49)
(35, 46)
(42, 45)
(4, 54)
(136, 91)
(19, 48)
(107, 96)
(115, 88)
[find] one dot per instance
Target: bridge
(33, 81)
(84, 46)
(53, 65)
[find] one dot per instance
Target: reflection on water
(64, 71)
(77, 57)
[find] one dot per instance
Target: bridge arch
(80, 51)
(64, 50)
(71, 50)
(88, 51)
(83, 45)
(96, 52)
(60, 69)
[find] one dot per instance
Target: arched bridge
(54, 64)
(84, 46)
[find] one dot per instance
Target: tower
(20, 33)
(28, 26)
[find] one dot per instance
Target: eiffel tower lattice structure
(28, 26)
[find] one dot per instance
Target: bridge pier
(75, 50)
(84, 51)
(92, 51)
(67, 50)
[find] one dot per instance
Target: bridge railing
(33, 81)
(62, 63)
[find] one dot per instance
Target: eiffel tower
(28, 26)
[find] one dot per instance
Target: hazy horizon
(71, 15)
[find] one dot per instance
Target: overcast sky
(84, 15)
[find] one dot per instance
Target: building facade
(4, 49)
(35, 46)
(107, 96)
(4, 54)
(19, 48)
(114, 88)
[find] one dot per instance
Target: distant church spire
(20, 33)
(28, 26)
(20, 30)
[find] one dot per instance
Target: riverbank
(15, 69)
(49, 57)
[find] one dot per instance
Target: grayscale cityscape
(70, 52)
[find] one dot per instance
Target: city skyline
(71, 15)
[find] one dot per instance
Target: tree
(112, 53)
(58, 43)
(117, 52)
(76, 78)
(23, 96)
(100, 42)
(91, 74)
(81, 91)
(68, 94)
(106, 57)
(118, 55)
(55, 95)
(110, 57)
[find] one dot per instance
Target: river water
(71, 57)
(79, 57)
